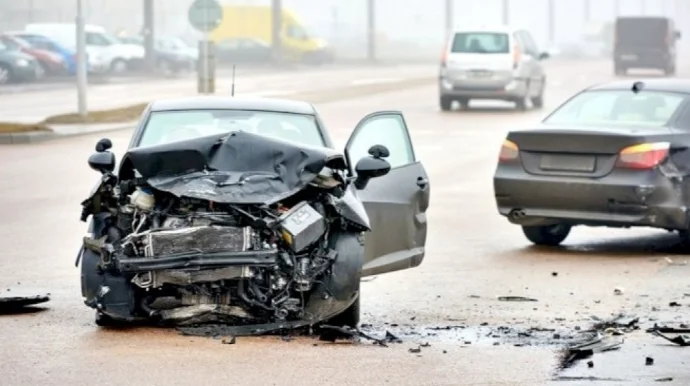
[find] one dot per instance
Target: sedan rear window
(480, 43)
(617, 108)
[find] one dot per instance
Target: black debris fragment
(669, 330)
(667, 379)
(590, 364)
(390, 338)
(416, 350)
(346, 331)
(516, 299)
(680, 340)
(674, 304)
(649, 361)
(425, 344)
(554, 273)
(286, 338)
(17, 304)
(620, 322)
(600, 343)
(229, 340)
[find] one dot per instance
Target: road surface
(473, 256)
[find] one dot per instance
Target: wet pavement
(447, 312)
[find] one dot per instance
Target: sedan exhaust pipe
(516, 214)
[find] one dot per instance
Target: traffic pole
(149, 36)
(505, 8)
(81, 60)
(371, 30)
(277, 26)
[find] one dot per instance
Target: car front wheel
(549, 235)
(445, 103)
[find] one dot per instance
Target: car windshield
(481, 43)
(617, 108)
(172, 126)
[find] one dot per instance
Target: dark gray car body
(531, 196)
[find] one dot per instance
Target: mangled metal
(235, 229)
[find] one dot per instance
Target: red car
(52, 63)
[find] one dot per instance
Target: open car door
(396, 203)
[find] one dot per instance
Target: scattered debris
(554, 273)
(474, 296)
(680, 340)
(667, 379)
(600, 343)
(416, 350)
(349, 332)
(649, 361)
(390, 338)
(516, 299)
(18, 303)
(627, 323)
(425, 344)
(618, 291)
(669, 330)
(674, 304)
(231, 340)
(590, 364)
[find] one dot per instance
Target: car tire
(118, 66)
(445, 103)
(548, 235)
(349, 318)
(538, 101)
(464, 103)
(103, 320)
(522, 103)
(6, 76)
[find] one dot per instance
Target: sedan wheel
(5, 74)
(550, 235)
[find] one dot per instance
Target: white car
(105, 52)
(499, 63)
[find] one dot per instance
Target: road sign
(205, 15)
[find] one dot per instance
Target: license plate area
(568, 163)
(629, 57)
(480, 74)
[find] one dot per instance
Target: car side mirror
(103, 162)
(544, 56)
(373, 166)
(104, 144)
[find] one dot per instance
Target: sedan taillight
(509, 152)
(643, 156)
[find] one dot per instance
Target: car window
(172, 126)
(388, 130)
(617, 108)
(96, 39)
(481, 43)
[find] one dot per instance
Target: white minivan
(488, 62)
(105, 52)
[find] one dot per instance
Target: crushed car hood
(234, 168)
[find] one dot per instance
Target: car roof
(650, 84)
(486, 28)
(234, 103)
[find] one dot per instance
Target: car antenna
(637, 86)
(232, 90)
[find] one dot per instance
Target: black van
(645, 42)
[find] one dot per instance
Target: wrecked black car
(615, 155)
(240, 212)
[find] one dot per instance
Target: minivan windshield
(481, 43)
(622, 108)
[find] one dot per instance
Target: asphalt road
(473, 256)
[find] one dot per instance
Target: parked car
(106, 53)
(172, 54)
(52, 63)
(42, 42)
(16, 66)
(645, 42)
(243, 50)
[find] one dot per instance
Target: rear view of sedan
(613, 155)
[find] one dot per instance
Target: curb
(43, 136)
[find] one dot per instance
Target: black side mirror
(104, 144)
(103, 162)
(372, 167)
(544, 56)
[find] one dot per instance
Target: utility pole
(371, 30)
(149, 36)
(505, 7)
(449, 18)
(277, 27)
(81, 59)
(552, 22)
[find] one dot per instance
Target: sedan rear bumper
(619, 200)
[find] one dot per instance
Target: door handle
(422, 182)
